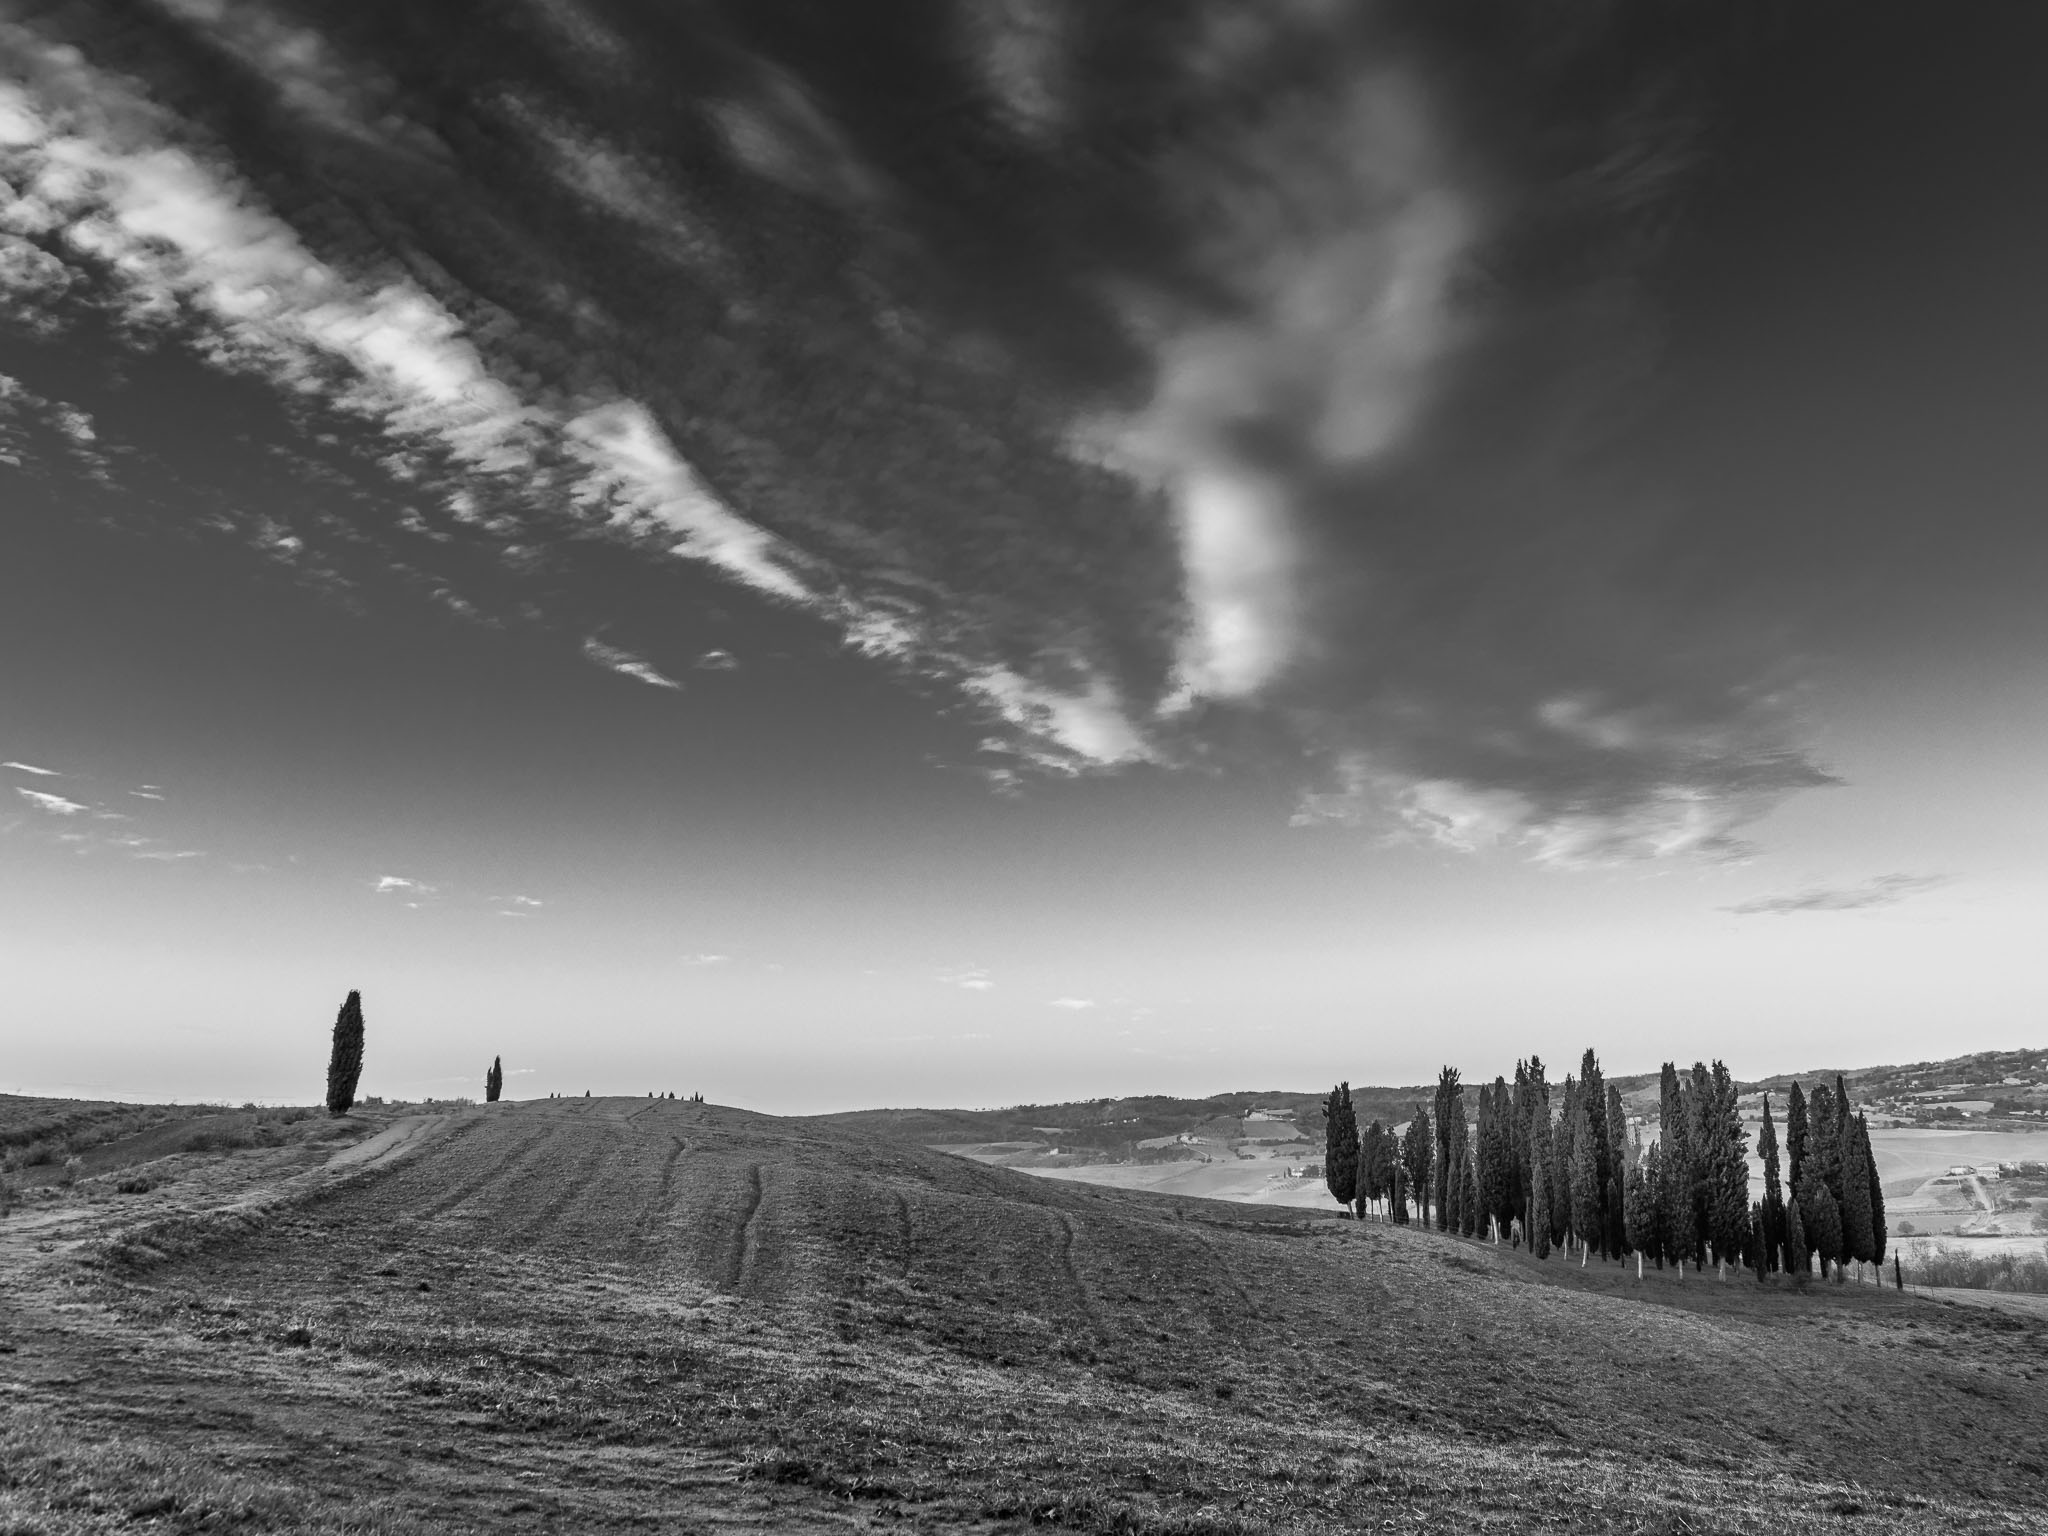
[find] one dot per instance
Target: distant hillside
(2011, 1083)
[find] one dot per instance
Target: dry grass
(679, 1316)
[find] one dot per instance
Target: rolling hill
(615, 1314)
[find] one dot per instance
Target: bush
(1942, 1264)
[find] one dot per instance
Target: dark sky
(1007, 549)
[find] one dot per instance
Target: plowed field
(606, 1314)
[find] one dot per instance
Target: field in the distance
(618, 1314)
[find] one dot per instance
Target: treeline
(1563, 1170)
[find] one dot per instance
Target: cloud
(48, 773)
(169, 855)
(705, 960)
(56, 805)
(716, 661)
(1879, 891)
(973, 979)
(1254, 436)
(386, 885)
(1074, 1003)
(627, 664)
(145, 794)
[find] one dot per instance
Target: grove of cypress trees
(494, 1080)
(345, 1058)
(1340, 1145)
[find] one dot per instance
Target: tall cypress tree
(1539, 1216)
(1340, 1145)
(1450, 1119)
(494, 1080)
(1585, 1180)
(1655, 1219)
(1474, 1219)
(1727, 1171)
(1593, 1088)
(1823, 1155)
(345, 1057)
(1859, 1243)
(1400, 1195)
(1681, 1226)
(1877, 1226)
(1771, 1213)
(1563, 1136)
(1618, 1163)
(1796, 1135)
(1416, 1153)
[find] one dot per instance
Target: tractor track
(742, 1264)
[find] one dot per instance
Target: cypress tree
(1681, 1229)
(1823, 1155)
(1798, 1257)
(1340, 1145)
(1700, 1135)
(345, 1058)
(1585, 1182)
(1655, 1219)
(1563, 1138)
(1858, 1241)
(1539, 1216)
(1593, 1089)
(1795, 1136)
(1400, 1205)
(1771, 1214)
(1638, 1219)
(1727, 1171)
(494, 1080)
(1823, 1221)
(1519, 1191)
(1450, 1118)
(1618, 1162)
(1415, 1158)
(1877, 1226)
(1370, 1169)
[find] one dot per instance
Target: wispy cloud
(56, 805)
(1879, 891)
(48, 773)
(972, 979)
(146, 794)
(1264, 466)
(1074, 1003)
(626, 663)
(705, 960)
(387, 885)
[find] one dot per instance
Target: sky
(977, 552)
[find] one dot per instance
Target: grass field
(596, 1315)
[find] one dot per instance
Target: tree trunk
(1639, 1266)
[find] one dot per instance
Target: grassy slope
(662, 1314)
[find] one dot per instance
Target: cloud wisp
(55, 805)
(46, 773)
(1236, 418)
(1878, 891)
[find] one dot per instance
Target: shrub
(1942, 1264)
(72, 1168)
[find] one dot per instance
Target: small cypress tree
(1823, 1222)
(494, 1080)
(1469, 1215)
(1400, 1194)
(345, 1058)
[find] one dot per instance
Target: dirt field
(597, 1315)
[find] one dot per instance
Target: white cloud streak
(628, 665)
(56, 805)
(48, 773)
